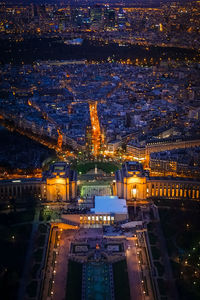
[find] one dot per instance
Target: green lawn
(181, 228)
(38, 254)
(35, 269)
(41, 240)
(74, 281)
(45, 215)
(43, 228)
(160, 268)
(152, 238)
(121, 281)
(188, 290)
(32, 289)
(155, 252)
(104, 166)
(151, 227)
(17, 217)
(162, 286)
(14, 242)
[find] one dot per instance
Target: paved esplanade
(133, 271)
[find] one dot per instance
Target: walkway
(60, 281)
(133, 270)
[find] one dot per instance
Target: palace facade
(58, 184)
(133, 183)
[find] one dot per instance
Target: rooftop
(109, 205)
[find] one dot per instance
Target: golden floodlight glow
(96, 130)
(60, 181)
(134, 191)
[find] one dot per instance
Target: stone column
(150, 189)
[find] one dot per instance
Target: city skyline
(150, 2)
(100, 150)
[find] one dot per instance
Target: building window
(133, 192)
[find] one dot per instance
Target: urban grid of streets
(96, 108)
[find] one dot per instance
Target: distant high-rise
(96, 13)
(109, 17)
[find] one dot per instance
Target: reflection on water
(97, 281)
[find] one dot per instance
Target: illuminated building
(137, 151)
(121, 18)
(107, 210)
(114, 145)
(168, 166)
(133, 184)
(59, 184)
(143, 152)
(96, 14)
(110, 206)
(109, 17)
